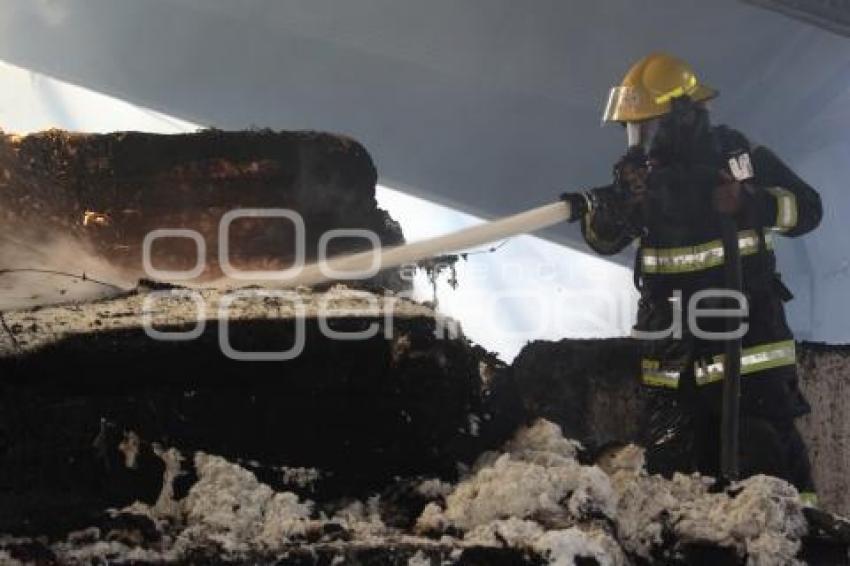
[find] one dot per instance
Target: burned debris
(110, 191)
(122, 440)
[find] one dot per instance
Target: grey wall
(491, 106)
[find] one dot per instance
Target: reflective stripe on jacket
(688, 259)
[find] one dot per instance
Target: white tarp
(491, 106)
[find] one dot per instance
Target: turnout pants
(682, 436)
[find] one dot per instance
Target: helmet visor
(623, 101)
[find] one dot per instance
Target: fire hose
(375, 260)
(731, 399)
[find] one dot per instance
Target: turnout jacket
(680, 252)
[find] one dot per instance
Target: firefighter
(678, 176)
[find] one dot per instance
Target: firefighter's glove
(580, 204)
(727, 197)
(630, 176)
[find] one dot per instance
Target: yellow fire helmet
(648, 87)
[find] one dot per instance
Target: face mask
(684, 134)
(641, 134)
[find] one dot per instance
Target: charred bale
(825, 381)
(81, 380)
(111, 190)
(588, 387)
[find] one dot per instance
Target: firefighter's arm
(609, 215)
(605, 218)
(783, 201)
(607, 228)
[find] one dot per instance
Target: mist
(39, 269)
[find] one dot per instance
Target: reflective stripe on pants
(753, 359)
(653, 375)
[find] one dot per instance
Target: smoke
(41, 270)
(37, 270)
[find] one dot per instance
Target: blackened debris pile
(531, 502)
(83, 383)
(386, 438)
(590, 388)
(402, 448)
(586, 386)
